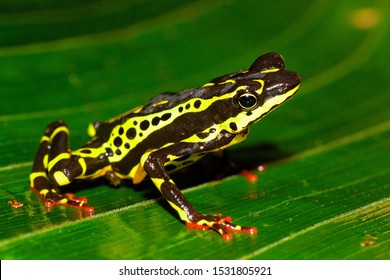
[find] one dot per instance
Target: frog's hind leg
(46, 177)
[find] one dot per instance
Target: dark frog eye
(247, 101)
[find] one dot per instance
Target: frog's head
(259, 89)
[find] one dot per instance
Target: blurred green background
(325, 192)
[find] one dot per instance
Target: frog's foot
(223, 225)
(114, 179)
(53, 197)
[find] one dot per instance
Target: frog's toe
(222, 225)
(67, 199)
(78, 202)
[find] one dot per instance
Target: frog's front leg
(54, 166)
(154, 162)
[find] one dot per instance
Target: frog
(171, 131)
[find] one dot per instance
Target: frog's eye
(247, 101)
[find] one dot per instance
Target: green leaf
(325, 191)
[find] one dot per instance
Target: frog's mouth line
(241, 132)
